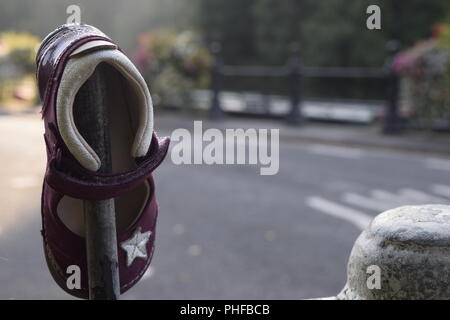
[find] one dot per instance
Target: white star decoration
(135, 247)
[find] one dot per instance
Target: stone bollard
(408, 249)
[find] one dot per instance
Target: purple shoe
(65, 60)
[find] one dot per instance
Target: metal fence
(294, 72)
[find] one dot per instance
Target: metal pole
(216, 112)
(295, 78)
(392, 123)
(99, 216)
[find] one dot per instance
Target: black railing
(294, 71)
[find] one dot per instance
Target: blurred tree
(334, 33)
(20, 49)
(229, 22)
(121, 20)
(276, 25)
(330, 33)
(425, 70)
(410, 21)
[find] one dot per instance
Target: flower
(173, 64)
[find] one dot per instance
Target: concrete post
(403, 254)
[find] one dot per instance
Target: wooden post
(99, 216)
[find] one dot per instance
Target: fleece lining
(78, 69)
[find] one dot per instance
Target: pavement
(254, 103)
(225, 231)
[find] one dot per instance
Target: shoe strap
(89, 185)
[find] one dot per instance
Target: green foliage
(120, 20)
(331, 32)
(19, 49)
(173, 64)
(276, 25)
(231, 24)
(426, 78)
(17, 81)
(444, 37)
(335, 34)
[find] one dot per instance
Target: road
(226, 232)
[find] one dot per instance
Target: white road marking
(357, 218)
(334, 151)
(384, 195)
(441, 190)
(437, 164)
(379, 201)
(420, 196)
(366, 203)
(395, 200)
